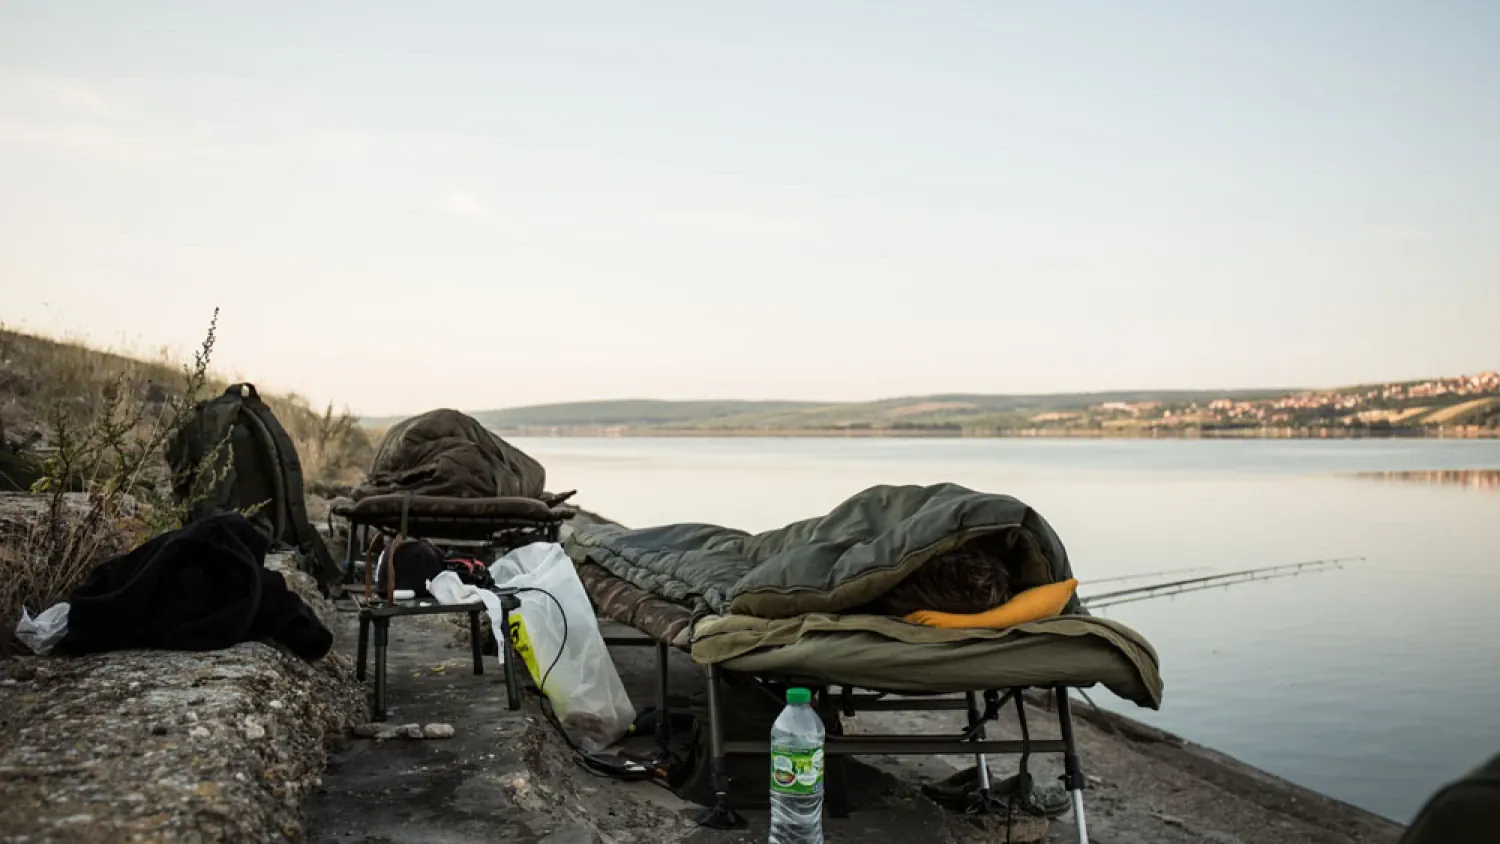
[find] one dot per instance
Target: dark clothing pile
(199, 588)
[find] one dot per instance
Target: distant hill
(1470, 403)
(731, 414)
(628, 412)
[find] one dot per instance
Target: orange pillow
(1032, 605)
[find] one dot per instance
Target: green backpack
(265, 471)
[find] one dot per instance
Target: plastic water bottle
(797, 772)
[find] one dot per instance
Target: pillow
(1031, 605)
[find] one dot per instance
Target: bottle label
(796, 772)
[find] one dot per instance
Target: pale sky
(401, 206)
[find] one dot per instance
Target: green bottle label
(796, 772)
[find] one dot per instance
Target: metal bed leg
(508, 603)
(382, 639)
(663, 720)
(1072, 771)
(722, 815)
(362, 655)
(981, 765)
(474, 642)
(835, 771)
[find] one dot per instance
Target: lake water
(1376, 682)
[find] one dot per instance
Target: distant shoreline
(1456, 433)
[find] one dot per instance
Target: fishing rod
(1194, 584)
(1145, 574)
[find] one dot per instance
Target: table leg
(382, 639)
(474, 642)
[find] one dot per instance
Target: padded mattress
(888, 654)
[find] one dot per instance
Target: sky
(400, 206)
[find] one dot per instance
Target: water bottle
(797, 772)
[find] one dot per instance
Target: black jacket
(202, 587)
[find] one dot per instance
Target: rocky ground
(169, 746)
(507, 776)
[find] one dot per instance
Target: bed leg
(509, 603)
(474, 644)
(835, 768)
(663, 721)
(1072, 771)
(722, 815)
(980, 764)
(362, 655)
(382, 640)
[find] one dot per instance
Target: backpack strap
(292, 509)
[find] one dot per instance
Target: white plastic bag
(46, 630)
(584, 686)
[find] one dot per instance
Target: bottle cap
(798, 696)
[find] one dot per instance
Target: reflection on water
(1487, 480)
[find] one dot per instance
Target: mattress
(888, 654)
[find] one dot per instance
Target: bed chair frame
(848, 701)
(494, 522)
(503, 523)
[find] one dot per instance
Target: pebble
(438, 731)
(199, 732)
(253, 730)
(412, 730)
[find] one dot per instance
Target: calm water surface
(1375, 683)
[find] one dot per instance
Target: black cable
(541, 686)
(547, 710)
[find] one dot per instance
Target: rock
(411, 730)
(1019, 828)
(438, 731)
(572, 834)
(201, 755)
(368, 730)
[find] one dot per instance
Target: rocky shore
(253, 744)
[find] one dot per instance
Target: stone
(571, 834)
(194, 758)
(438, 731)
(411, 730)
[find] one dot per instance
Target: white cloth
(448, 589)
